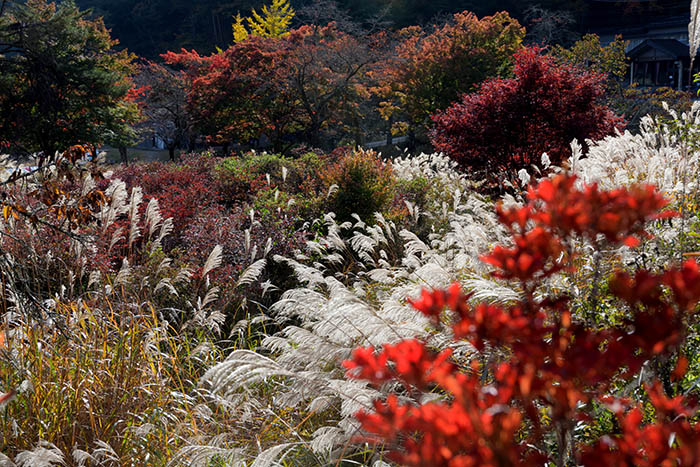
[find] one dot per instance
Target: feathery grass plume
(268, 247)
(123, 274)
(153, 217)
(104, 453)
(83, 458)
(332, 190)
(166, 283)
(164, 265)
(118, 194)
(94, 279)
(44, 455)
(253, 253)
(166, 228)
(213, 261)
(117, 236)
(274, 456)
(184, 275)
(246, 241)
(134, 217)
(252, 272)
(203, 317)
(202, 455)
(694, 31)
(210, 297)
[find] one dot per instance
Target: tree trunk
(171, 153)
(357, 130)
(389, 135)
(226, 148)
(315, 136)
(123, 154)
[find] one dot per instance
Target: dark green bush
(365, 185)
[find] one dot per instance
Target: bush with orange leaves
(524, 407)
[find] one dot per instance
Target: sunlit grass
(95, 377)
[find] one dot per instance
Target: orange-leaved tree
(430, 71)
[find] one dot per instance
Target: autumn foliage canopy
(430, 70)
(510, 122)
(306, 83)
(552, 366)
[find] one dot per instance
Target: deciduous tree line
(322, 84)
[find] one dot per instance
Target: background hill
(151, 27)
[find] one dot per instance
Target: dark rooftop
(671, 46)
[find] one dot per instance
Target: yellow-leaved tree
(273, 22)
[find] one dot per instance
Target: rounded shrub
(509, 123)
(359, 183)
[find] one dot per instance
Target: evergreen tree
(61, 82)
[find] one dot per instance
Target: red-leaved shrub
(523, 408)
(509, 123)
(182, 190)
(215, 226)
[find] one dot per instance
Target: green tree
(61, 81)
(590, 54)
(632, 102)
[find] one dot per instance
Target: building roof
(670, 47)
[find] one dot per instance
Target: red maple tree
(304, 85)
(509, 123)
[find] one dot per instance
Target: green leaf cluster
(590, 54)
